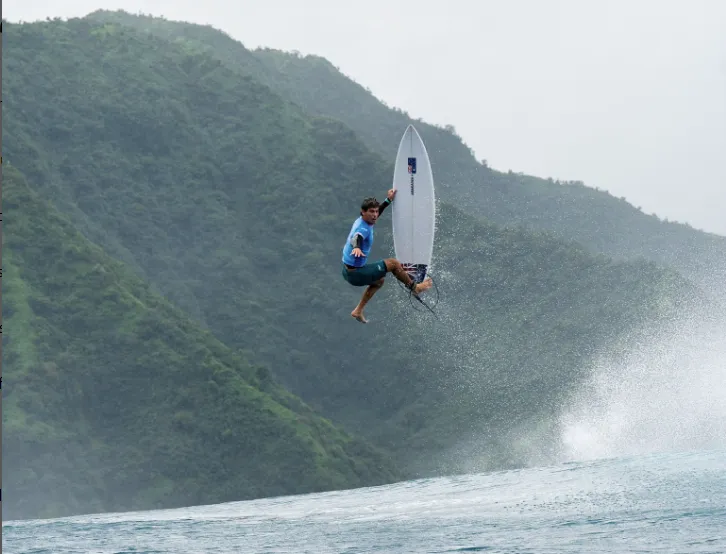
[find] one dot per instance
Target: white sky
(627, 96)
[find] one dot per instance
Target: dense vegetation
(569, 210)
(232, 202)
(115, 399)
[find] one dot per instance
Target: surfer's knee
(392, 264)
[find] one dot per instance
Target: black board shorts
(364, 275)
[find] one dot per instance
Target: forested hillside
(233, 204)
(570, 210)
(113, 399)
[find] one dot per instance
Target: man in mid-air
(359, 273)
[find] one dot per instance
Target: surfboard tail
(416, 271)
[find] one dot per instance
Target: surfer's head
(369, 210)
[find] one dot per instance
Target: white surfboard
(414, 209)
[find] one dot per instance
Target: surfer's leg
(395, 267)
(367, 295)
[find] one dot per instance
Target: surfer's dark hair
(369, 203)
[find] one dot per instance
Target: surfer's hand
(391, 194)
(357, 252)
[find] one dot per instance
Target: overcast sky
(628, 96)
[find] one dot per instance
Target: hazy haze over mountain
(626, 97)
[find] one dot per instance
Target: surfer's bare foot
(426, 285)
(358, 316)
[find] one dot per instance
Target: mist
(627, 97)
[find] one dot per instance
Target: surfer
(355, 252)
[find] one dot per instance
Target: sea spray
(666, 394)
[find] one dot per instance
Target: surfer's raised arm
(387, 202)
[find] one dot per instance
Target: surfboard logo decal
(412, 170)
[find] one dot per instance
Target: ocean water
(672, 503)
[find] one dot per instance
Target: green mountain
(233, 203)
(569, 210)
(114, 399)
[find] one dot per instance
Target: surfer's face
(370, 216)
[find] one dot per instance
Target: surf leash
(412, 295)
